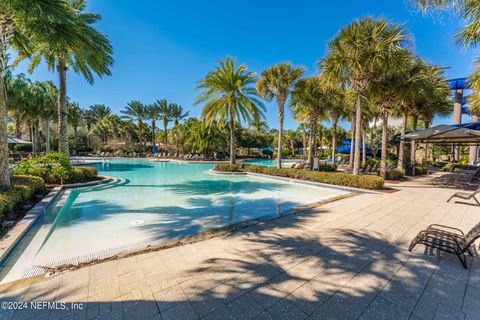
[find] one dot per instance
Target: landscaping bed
(333, 178)
(23, 194)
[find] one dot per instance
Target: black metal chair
(448, 239)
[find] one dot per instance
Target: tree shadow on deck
(288, 269)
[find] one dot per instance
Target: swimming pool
(153, 202)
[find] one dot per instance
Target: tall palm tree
(74, 119)
(20, 20)
(309, 97)
(354, 56)
(99, 111)
(177, 114)
(229, 96)
(87, 52)
(384, 94)
(165, 116)
(336, 110)
(135, 110)
(276, 82)
(153, 112)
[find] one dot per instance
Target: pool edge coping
(16, 233)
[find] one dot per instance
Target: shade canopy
(444, 134)
(13, 140)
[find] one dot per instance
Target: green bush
(327, 167)
(267, 152)
(22, 188)
(395, 174)
(82, 174)
(83, 149)
(53, 168)
(227, 167)
(22, 147)
(419, 169)
(335, 178)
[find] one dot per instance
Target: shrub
(395, 174)
(22, 188)
(22, 147)
(227, 167)
(82, 174)
(327, 167)
(267, 152)
(84, 149)
(53, 168)
(335, 178)
(286, 152)
(419, 169)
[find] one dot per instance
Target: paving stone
(182, 311)
(245, 307)
(286, 311)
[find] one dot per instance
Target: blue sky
(163, 47)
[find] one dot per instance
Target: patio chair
(448, 239)
(466, 196)
(460, 179)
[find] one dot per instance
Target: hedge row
(22, 188)
(227, 167)
(55, 168)
(335, 178)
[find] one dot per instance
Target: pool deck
(345, 260)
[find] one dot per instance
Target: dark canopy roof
(444, 134)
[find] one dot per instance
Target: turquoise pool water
(158, 201)
(269, 163)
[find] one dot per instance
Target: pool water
(270, 163)
(159, 201)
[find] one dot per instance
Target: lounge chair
(466, 196)
(448, 239)
(461, 179)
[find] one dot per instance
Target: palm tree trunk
(47, 136)
(4, 173)
(401, 150)
(304, 142)
(232, 139)
(334, 138)
(165, 132)
(153, 132)
(281, 109)
(140, 134)
(36, 136)
(413, 146)
(383, 159)
(18, 133)
(358, 126)
(364, 149)
(75, 135)
(312, 142)
(62, 103)
(352, 144)
(6, 32)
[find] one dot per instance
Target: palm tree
(177, 114)
(309, 97)
(87, 52)
(135, 110)
(336, 110)
(165, 116)
(355, 55)
(99, 111)
(20, 20)
(74, 119)
(229, 96)
(152, 112)
(276, 82)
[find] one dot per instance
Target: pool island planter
(15, 234)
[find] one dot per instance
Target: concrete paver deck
(345, 260)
